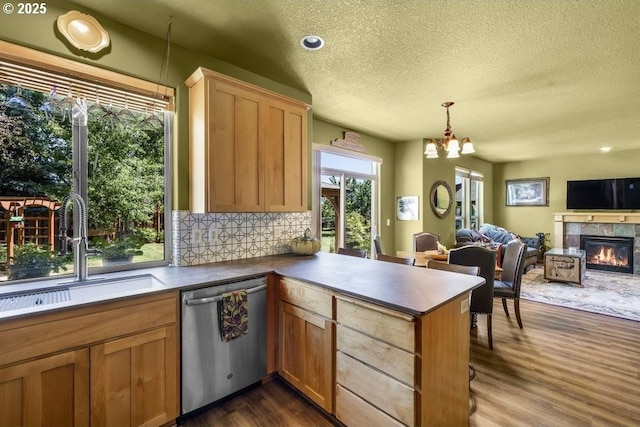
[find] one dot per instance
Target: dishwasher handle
(217, 298)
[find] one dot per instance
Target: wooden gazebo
(331, 192)
(18, 225)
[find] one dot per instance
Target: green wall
(527, 221)
(408, 182)
(139, 55)
(416, 175)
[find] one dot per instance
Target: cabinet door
(285, 158)
(134, 380)
(234, 151)
(306, 348)
(52, 391)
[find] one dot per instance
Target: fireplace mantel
(598, 217)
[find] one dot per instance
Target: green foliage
(358, 197)
(31, 255)
(120, 248)
(3, 257)
(126, 162)
(35, 156)
(358, 231)
(149, 234)
(126, 174)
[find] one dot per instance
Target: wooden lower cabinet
(133, 380)
(306, 353)
(395, 369)
(51, 391)
(306, 339)
(111, 364)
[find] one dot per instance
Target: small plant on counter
(30, 260)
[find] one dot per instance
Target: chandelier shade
(450, 143)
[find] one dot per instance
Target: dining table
(422, 258)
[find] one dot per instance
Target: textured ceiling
(528, 78)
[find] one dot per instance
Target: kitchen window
(118, 161)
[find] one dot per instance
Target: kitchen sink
(97, 288)
(79, 291)
(34, 299)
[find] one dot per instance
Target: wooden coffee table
(565, 265)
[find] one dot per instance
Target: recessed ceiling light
(605, 149)
(312, 42)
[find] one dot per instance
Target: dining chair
(377, 244)
(425, 241)
(482, 297)
(396, 259)
(457, 268)
(352, 252)
(454, 268)
(508, 287)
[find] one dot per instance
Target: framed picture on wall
(407, 208)
(528, 192)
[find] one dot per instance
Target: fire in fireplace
(608, 253)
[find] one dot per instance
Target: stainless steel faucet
(81, 251)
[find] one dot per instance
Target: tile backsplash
(214, 237)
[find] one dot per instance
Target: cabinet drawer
(309, 297)
(376, 388)
(354, 411)
(386, 325)
(396, 362)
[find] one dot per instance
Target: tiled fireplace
(569, 227)
(608, 253)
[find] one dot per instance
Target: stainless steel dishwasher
(212, 368)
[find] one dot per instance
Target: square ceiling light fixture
(312, 42)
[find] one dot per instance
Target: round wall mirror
(441, 198)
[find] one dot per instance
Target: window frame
(317, 173)
(116, 84)
(470, 179)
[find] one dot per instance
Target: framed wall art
(528, 192)
(407, 208)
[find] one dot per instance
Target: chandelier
(450, 143)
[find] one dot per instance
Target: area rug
(612, 294)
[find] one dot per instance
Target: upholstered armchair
(532, 251)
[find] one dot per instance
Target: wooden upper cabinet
(285, 171)
(233, 150)
(248, 147)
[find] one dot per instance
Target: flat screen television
(594, 194)
(630, 193)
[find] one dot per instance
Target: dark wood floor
(565, 368)
(272, 404)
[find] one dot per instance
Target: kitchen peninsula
(393, 339)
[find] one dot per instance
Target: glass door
(346, 201)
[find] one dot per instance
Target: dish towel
(233, 318)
